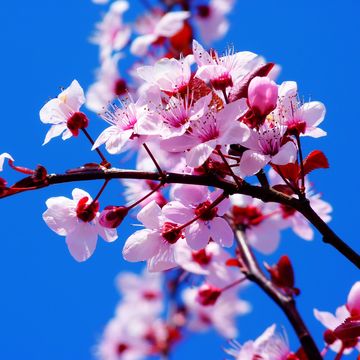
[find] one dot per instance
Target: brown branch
(259, 192)
(287, 304)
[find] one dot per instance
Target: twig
(253, 272)
(266, 195)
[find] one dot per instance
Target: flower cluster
(203, 128)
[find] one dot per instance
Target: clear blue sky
(54, 308)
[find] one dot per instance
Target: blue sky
(54, 308)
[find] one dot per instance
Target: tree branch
(259, 192)
(287, 304)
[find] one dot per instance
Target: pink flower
(204, 261)
(193, 201)
(155, 243)
(169, 75)
(267, 144)
(261, 221)
(262, 96)
(175, 116)
(299, 224)
(213, 130)
(268, 346)
(211, 19)
(4, 156)
(108, 85)
(63, 113)
(112, 34)
(155, 26)
(221, 315)
(226, 71)
(77, 220)
(123, 119)
(302, 119)
(331, 322)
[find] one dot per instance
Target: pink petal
(142, 245)
(221, 232)
(313, 113)
(200, 153)
(82, 241)
(287, 154)
(171, 23)
(327, 319)
(150, 215)
(163, 260)
(251, 162)
(197, 235)
(177, 212)
(189, 194)
(353, 300)
(55, 130)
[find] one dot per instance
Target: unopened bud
(112, 216)
(262, 96)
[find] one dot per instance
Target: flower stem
(253, 272)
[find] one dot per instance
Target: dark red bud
(112, 216)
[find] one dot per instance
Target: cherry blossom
(221, 315)
(268, 346)
(156, 26)
(211, 19)
(155, 243)
(122, 132)
(302, 119)
(343, 313)
(195, 201)
(261, 222)
(108, 86)
(77, 220)
(294, 219)
(111, 34)
(63, 113)
(170, 75)
(225, 71)
(267, 144)
(215, 129)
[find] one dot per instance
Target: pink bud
(112, 216)
(208, 295)
(262, 95)
(353, 300)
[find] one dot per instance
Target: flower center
(86, 212)
(247, 216)
(201, 257)
(205, 211)
(171, 232)
(77, 121)
(120, 87)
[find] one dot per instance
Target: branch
(287, 304)
(259, 192)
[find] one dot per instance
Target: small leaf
(315, 160)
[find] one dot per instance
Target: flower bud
(262, 96)
(112, 216)
(208, 295)
(329, 337)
